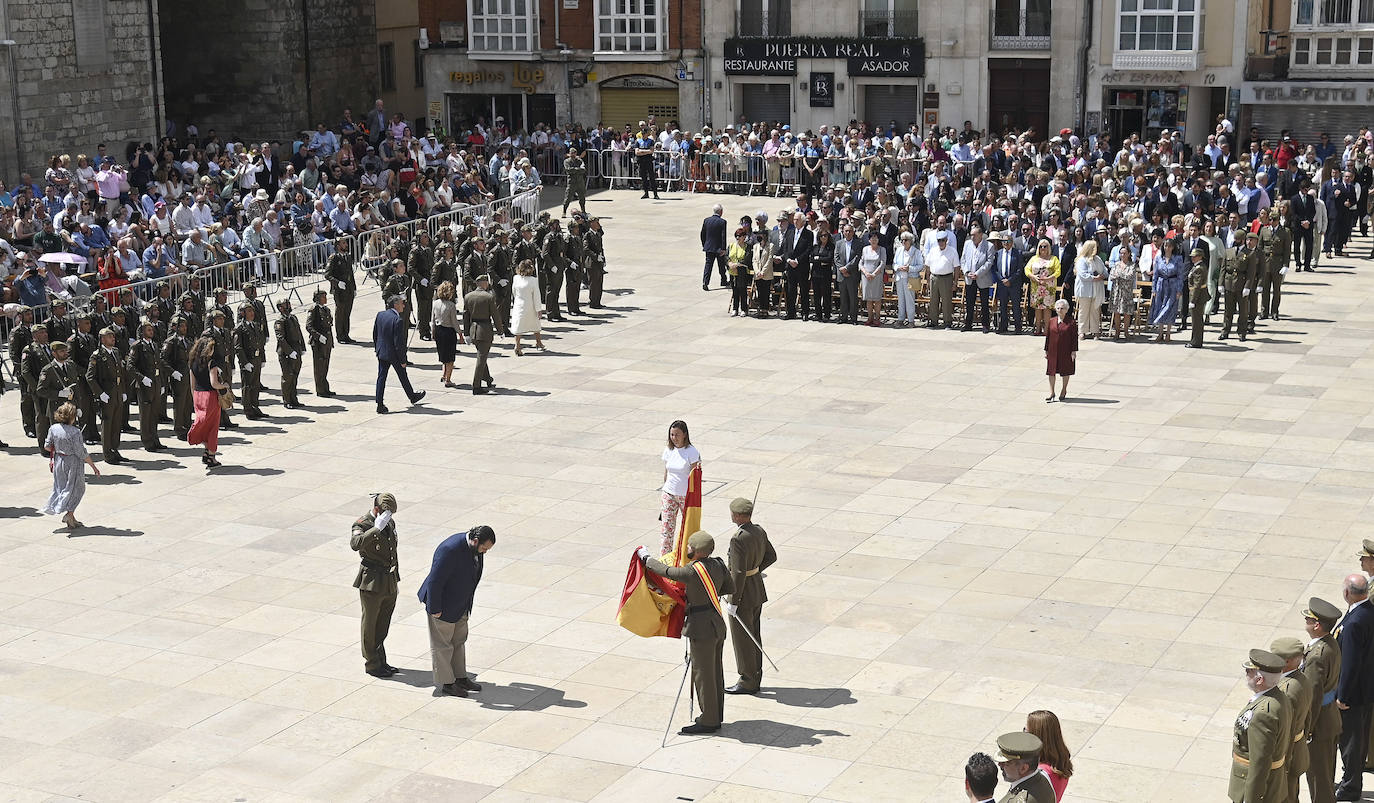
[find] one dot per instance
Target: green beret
(701, 541)
(60, 345)
(1286, 647)
(742, 506)
(1019, 746)
(1265, 661)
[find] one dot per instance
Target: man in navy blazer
(447, 594)
(713, 245)
(1355, 689)
(1008, 274)
(389, 339)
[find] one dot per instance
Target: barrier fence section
(290, 270)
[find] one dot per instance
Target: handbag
(226, 399)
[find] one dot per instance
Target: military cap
(24, 308)
(484, 278)
(40, 327)
(107, 331)
(1264, 661)
(1321, 610)
(741, 506)
(178, 320)
(545, 215)
(216, 313)
(149, 322)
(117, 311)
(251, 284)
(503, 232)
(396, 262)
(59, 302)
(60, 345)
(1019, 746)
(1286, 647)
(1253, 234)
(1196, 252)
(283, 302)
(126, 291)
(701, 540)
(246, 305)
(522, 226)
(147, 305)
(219, 290)
(386, 501)
(593, 219)
(1367, 549)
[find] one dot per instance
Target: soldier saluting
(750, 553)
(705, 579)
(374, 539)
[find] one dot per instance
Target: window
(888, 18)
(1364, 54)
(630, 26)
(502, 26)
(1021, 18)
(1343, 51)
(1304, 12)
(1324, 49)
(1335, 11)
(764, 18)
(386, 65)
(1158, 25)
(1302, 51)
(419, 65)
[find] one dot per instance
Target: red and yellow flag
(690, 520)
(653, 605)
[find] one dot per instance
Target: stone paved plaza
(953, 553)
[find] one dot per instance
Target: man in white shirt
(183, 221)
(202, 214)
(941, 261)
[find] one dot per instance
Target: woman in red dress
(1061, 348)
(111, 276)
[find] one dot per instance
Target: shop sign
(1304, 94)
(822, 90)
(477, 77)
(523, 78)
(896, 57)
(1164, 78)
(638, 82)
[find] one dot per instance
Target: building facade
(1155, 67)
(400, 61)
(1309, 68)
(76, 74)
(557, 61)
(898, 62)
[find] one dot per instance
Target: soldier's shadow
(17, 512)
(808, 698)
(774, 734)
(523, 697)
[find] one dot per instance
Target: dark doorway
(1019, 96)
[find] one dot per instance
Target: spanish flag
(652, 605)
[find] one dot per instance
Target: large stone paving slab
(954, 553)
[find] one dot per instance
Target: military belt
(372, 564)
(752, 572)
(1245, 762)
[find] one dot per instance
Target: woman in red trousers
(207, 383)
(1061, 348)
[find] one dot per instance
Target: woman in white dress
(525, 318)
(68, 466)
(871, 280)
(1090, 288)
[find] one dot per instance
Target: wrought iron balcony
(1018, 31)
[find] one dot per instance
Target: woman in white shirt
(871, 282)
(906, 260)
(680, 458)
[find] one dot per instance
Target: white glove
(731, 610)
(424, 282)
(322, 338)
(65, 393)
(1283, 271)
(1245, 293)
(503, 282)
(248, 366)
(292, 355)
(176, 375)
(123, 397)
(342, 285)
(147, 383)
(104, 398)
(383, 520)
(642, 553)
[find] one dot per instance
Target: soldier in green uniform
(1261, 735)
(1271, 287)
(1238, 271)
(374, 539)
(195, 324)
(594, 261)
(501, 270)
(166, 305)
(20, 338)
(576, 189)
(83, 344)
(1322, 664)
(553, 257)
(1297, 691)
(129, 305)
(35, 358)
(290, 347)
(420, 268)
(250, 296)
(59, 325)
(197, 295)
(176, 355)
(398, 284)
(222, 304)
(475, 265)
(573, 255)
(749, 554)
(99, 314)
(1020, 764)
(319, 325)
(705, 628)
(343, 284)
(56, 385)
(145, 371)
(482, 319)
(446, 267)
(250, 341)
(108, 382)
(218, 330)
(1198, 296)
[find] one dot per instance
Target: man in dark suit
(796, 261)
(1302, 216)
(713, 245)
(268, 170)
(389, 339)
(447, 596)
(1009, 273)
(1355, 689)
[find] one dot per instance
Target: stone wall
(242, 67)
(64, 109)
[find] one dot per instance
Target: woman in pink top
(1054, 756)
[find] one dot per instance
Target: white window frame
(1173, 58)
(622, 23)
(502, 28)
(1316, 48)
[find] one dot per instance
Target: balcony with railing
(1017, 29)
(881, 23)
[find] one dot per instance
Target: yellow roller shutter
(621, 106)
